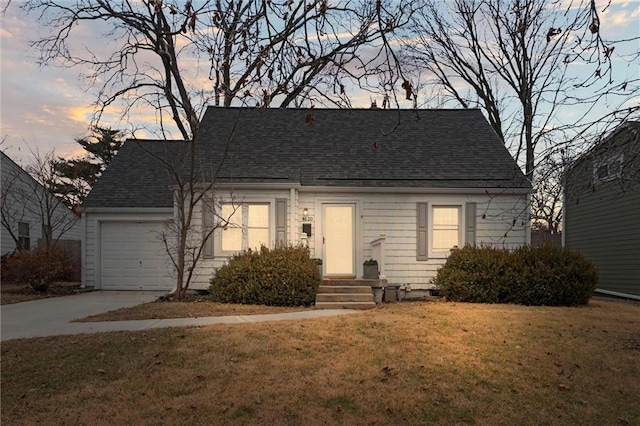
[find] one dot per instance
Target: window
(446, 229)
(608, 169)
(24, 240)
(441, 228)
(248, 227)
(232, 233)
(257, 225)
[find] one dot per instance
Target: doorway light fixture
(305, 212)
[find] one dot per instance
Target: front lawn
(193, 307)
(411, 363)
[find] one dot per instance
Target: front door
(339, 239)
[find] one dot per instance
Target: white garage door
(132, 257)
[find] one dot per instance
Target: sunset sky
(45, 108)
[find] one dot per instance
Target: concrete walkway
(52, 317)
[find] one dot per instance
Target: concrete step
(352, 289)
(358, 282)
(344, 297)
(345, 305)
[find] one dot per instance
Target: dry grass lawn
(412, 363)
(195, 307)
(22, 292)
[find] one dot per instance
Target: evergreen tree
(77, 176)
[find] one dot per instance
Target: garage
(133, 257)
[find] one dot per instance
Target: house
(602, 210)
(29, 211)
(401, 186)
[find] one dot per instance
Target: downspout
(293, 214)
(563, 234)
(527, 229)
(83, 251)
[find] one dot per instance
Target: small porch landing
(354, 293)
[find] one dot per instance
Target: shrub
(554, 276)
(39, 267)
(474, 275)
(542, 275)
(284, 276)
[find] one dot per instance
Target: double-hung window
(441, 228)
(608, 169)
(446, 229)
(247, 227)
(24, 238)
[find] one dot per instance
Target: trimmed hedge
(544, 275)
(284, 276)
(553, 276)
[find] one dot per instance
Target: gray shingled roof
(350, 148)
(136, 177)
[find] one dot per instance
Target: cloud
(618, 16)
(5, 34)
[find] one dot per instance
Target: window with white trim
(248, 227)
(445, 229)
(608, 169)
(257, 225)
(24, 238)
(231, 239)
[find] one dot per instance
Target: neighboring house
(602, 210)
(29, 211)
(400, 186)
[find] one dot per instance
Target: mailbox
(306, 228)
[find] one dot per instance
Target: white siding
(501, 221)
(206, 266)
(394, 215)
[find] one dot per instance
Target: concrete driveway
(50, 317)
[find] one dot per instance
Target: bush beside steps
(283, 276)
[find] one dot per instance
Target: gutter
(372, 189)
(127, 210)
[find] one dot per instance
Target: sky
(47, 108)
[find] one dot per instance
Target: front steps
(346, 294)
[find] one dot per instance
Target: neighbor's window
(446, 229)
(608, 169)
(24, 240)
(248, 226)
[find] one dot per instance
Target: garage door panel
(133, 257)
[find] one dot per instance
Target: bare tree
(517, 61)
(27, 196)
(546, 201)
(514, 58)
(257, 53)
(57, 216)
(12, 208)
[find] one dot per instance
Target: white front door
(339, 239)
